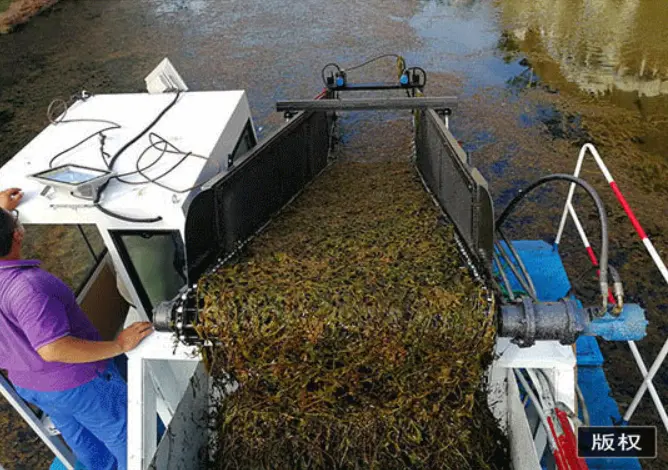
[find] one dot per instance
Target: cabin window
(245, 143)
(69, 252)
(155, 261)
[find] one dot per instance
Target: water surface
(537, 78)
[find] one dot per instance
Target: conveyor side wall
(235, 205)
(459, 188)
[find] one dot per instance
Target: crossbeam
(374, 86)
(437, 103)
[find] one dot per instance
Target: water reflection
(461, 37)
(602, 46)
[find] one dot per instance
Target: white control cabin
(131, 265)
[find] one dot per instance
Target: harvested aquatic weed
(357, 338)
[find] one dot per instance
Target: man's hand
(72, 350)
(10, 198)
(130, 337)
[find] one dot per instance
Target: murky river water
(536, 78)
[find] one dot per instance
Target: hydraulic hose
(603, 218)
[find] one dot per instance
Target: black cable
(119, 216)
(165, 150)
(81, 142)
(127, 219)
(142, 133)
(424, 74)
(115, 158)
(322, 72)
(176, 150)
(373, 59)
(601, 214)
(55, 120)
(120, 177)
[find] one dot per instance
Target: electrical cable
(81, 142)
(401, 65)
(373, 59)
(165, 150)
(322, 72)
(119, 216)
(583, 404)
(504, 278)
(109, 161)
(603, 280)
(143, 133)
(520, 263)
(57, 119)
(513, 269)
(60, 118)
(113, 160)
(539, 409)
(422, 71)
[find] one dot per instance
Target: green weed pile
(357, 338)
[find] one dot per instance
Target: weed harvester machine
(538, 387)
(533, 382)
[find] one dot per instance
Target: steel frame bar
(375, 86)
(366, 104)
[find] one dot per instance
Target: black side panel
(459, 188)
(202, 234)
(235, 205)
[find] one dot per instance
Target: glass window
(246, 142)
(69, 252)
(155, 261)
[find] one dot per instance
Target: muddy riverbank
(536, 80)
(15, 13)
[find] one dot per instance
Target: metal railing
(648, 375)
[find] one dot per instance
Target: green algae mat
(355, 335)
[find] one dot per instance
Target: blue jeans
(92, 418)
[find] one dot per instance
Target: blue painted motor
(630, 325)
(341, 80)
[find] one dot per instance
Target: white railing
(648, 375)
(168, 380)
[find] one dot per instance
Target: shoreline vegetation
(14, 13)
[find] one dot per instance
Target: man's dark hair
(7, 227)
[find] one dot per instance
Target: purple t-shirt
(36, 309)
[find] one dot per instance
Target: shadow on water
(536, 80)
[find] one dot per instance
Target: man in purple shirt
(54, 356)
